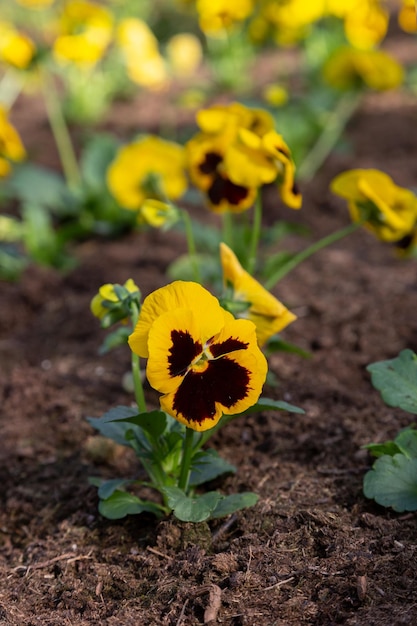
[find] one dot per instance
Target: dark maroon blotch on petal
(182, 352)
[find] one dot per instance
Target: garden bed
(313, 550)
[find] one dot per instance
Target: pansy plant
(209, 368)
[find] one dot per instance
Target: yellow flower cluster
(11, 147)
(236, 152)
(365, 21)
(216, 16)
(84, 33)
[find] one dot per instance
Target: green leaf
(108, 487)
(406, 440)
(266, 404)
(396, 380)
(393, 482)
(276, 344)
(194, 509)
(115, 339)
(112, 424)
(379, 449)
(208, 465)
(153, 422)
(121, 503)
(38, 185)
(95, 159)
(234, 502)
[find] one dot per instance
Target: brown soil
(313, 550)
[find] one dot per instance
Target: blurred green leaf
(121, 503)
(208, 465)
(393, 482)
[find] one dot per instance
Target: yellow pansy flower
(16, 48)
(217, 15)
(148, 167)
(389, 211)
(85, 32)
(11, 147)
(108, 298)
(205, 158)
(349, 68)
(268, 314)
(204, 362)
(236, 152)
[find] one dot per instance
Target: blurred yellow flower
(217, 15)
(184, 54)
(290, 20)
(144, 63)
(366, 24)
(254, 302)
(16, 48)
(388, 211)
(204, 362)
(85, 31)
(147, 168)
(11, 147)
(407, 19)
(35, 4)
(349, 68)
(157, 213)
(276, 95)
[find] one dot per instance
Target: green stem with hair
(308, 252)
(192, 251)
(187, 455)
(256, 233)
(60, 131)
(136, 369)
(332, 130)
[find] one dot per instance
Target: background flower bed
(313, 550)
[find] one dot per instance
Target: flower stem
(227, 228)
(307, 252)
(256, 233)
(191, 245)
(136, 370)
(60, 131)
(187, 455)
(333, 128)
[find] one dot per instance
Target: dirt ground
(313, 550)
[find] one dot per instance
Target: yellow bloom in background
(204, 362)
(11, 147)
(366, 24)
(85, 31)
(407, 19)
(268, 314)
(291, 20)
(217, 15)
(389, 211)
(107, 296)
(349, 68)
(184, 54)
(16, 48)
(275, 95)
(148, 167)
(144, 63)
